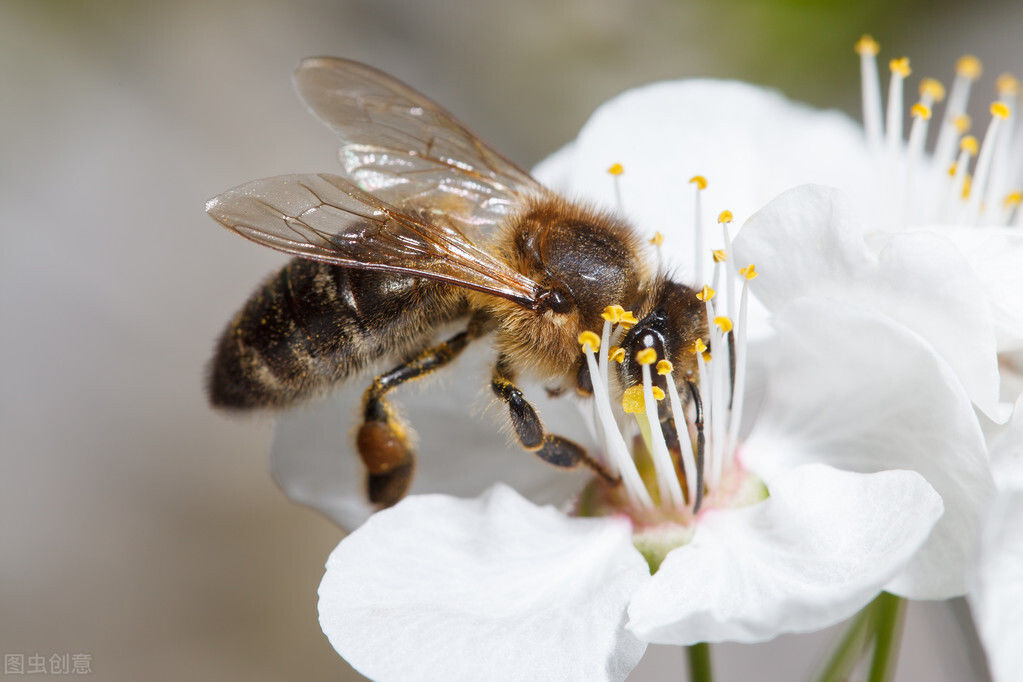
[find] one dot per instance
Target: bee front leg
(556, 450)
(384, 440)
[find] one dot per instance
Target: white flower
(996, 589)
(755, 144)
(501, 589)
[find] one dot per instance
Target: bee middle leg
(383, 440)
(553, 449)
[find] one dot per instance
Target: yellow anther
(706, 293)
(1013, 199)
(900, 66)
(697, 346)
(967, 186)
(1007, 84)
(962, 123)
(867, 46)
(647, 356)
(699, 181)
(719, 255)
(616, 353)
(632, 400)
(749, 272)
(616, 169)
(657, 239)
(589, 341)
(707, 356)
(969, 144)
(628, 319)
(664, 367)
(932, 87)
(724, 324)
(1000, 109)
(613, 313)
(969, 66)
(658, 393)
(921, 110)
(725, 217)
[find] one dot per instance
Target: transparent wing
(325, 217)
(408, 150)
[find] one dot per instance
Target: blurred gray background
(142, 528)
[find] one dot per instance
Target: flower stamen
(868, 48)
(699, 183)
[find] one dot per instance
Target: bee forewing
(408, 150)
(324, 217)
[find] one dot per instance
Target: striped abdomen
(313, 324)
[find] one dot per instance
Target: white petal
(996, 595)
(495, 588)
(809, 242)
(857, 391)
(996, 255)
(1006, 451)
(816, 551)
(554, 171)
(748, 142)
(460, 450)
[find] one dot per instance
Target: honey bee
(428, 226)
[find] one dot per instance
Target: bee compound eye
(559, 302)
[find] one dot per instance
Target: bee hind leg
(553, 449)
(384, 440)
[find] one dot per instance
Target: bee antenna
(700, 442)
(731, 367)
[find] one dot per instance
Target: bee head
(675, 321)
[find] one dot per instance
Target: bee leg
(383, 440)
(556, 450)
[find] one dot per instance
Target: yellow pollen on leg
(706, 356)
(969, 66)
(697, 346)
(589, 341)
(719, 255)
(647, 356)
(900, 66)
(699, 181)
(962, 123)
(706, 293)
(921, 110)
(1007, 84)
(664, 367)
(932, 87)
(1000, 110)
(725, 217)
(969, 145)
(749, 272)
(632, 399)
(616, 169)
(867, 46)
(724, 324)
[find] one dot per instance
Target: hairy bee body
(312, 325)
(427, 225)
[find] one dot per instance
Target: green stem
(849, 649)
(699, 663)
(889, 612)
